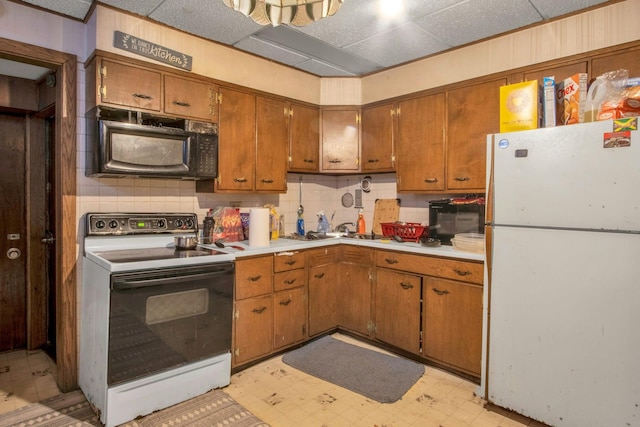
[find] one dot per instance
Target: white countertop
(288, 245)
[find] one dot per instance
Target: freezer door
(563, 336)
(565, 177)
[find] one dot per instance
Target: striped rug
(215, 408)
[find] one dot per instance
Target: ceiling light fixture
(285, 12)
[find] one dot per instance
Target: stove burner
(153, 254)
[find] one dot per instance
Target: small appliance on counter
(448, 217)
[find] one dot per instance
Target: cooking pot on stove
(185, 242)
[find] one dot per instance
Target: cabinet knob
(285, 303)
(431, 180)
(255, 278)
(391, 261)
(142, 96)
(461, 272)
(242, 179)
(462, 178)
(290, 281)
(319, 276)
(406, 285)
(259, 310)
(267, 181)
(181, 104)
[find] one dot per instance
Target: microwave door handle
(128, 284)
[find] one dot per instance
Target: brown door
(12, 233)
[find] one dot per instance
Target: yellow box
(519, 106)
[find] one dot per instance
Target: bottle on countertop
(323, 223)
(361, 227)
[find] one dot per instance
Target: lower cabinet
(354, 302)
(289, 317)
(452, 323)
(397, 309)
(253, 329)
(323, 289)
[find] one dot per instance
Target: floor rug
(215, 408)
(375, 375)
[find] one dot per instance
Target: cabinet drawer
(254, 277)
(465, 271)
(356, 255)
(288, 279)
(287, 262)
(328, 255)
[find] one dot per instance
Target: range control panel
(113, 224)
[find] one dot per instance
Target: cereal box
(519, 106)
(549, 101)
(571, 95)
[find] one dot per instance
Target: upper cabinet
(378, 138)
(473, 112)
(190, 98)
(421, 144)
(272, 141)
(121, 84)
(340, 140)
(304, 152)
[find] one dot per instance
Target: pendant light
(285, 12)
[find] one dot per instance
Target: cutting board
(386, 210)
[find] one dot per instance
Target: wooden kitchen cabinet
(323, 289)
(253, 329)
(304, 142)
(420, 157)
(627, 59)
(195, 99)
(378, 138)
(272, 142)
(340, 140)
(355, 276)
(237, 141)
(452, 323)
(289, 317)
(473, 112)
(123, 85)
(397, 309)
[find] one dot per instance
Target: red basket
(408, 231)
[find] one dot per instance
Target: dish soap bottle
(300, 224)
(361, 227)
(323, 223)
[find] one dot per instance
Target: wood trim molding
(65, 227)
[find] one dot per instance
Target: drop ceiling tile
(269, 50)
(206, 18)
(323, 70)
(22, 70)
(398, 45)
(552, 8)
(141, 7)
(357, 20)
(477, 19)
(74, 8)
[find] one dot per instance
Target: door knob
(48, 238)
(13, 253)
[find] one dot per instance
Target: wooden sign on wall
(151, 50)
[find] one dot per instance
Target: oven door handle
(124, 283)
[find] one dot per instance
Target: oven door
(162, 319)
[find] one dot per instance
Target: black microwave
(120, 149)
(449, 217)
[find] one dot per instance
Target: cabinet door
(272, 141)
(377, 138)
(452, 330)
(190, 98)
(237, 141)
(558, 73)
(254, 277)
(421, 144)
(323, 299)
(340, 140)
(304, 154)
(253, 328)
(397, 309)
(289, 317)
(628, 59)
(354, 303)
(130, 86)
(473, 112)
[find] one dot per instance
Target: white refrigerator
(564, 275)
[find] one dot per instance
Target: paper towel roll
(259, 227)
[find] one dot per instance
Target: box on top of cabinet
(519, 105)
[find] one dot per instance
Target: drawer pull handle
(243, 179)
(391, 261)
(373, 160)
(461, 272)
(290, 281)
(462, 178)
(267, 181)
(290, 262)
(181, 104)
(308, 160)
(319, 276)
(285, 303)
(406, 285)
(335, 161)
(439, 292)
(431, 180)
(255, 278)
(142, 96)
(259, 310)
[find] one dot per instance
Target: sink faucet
(342, 228)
